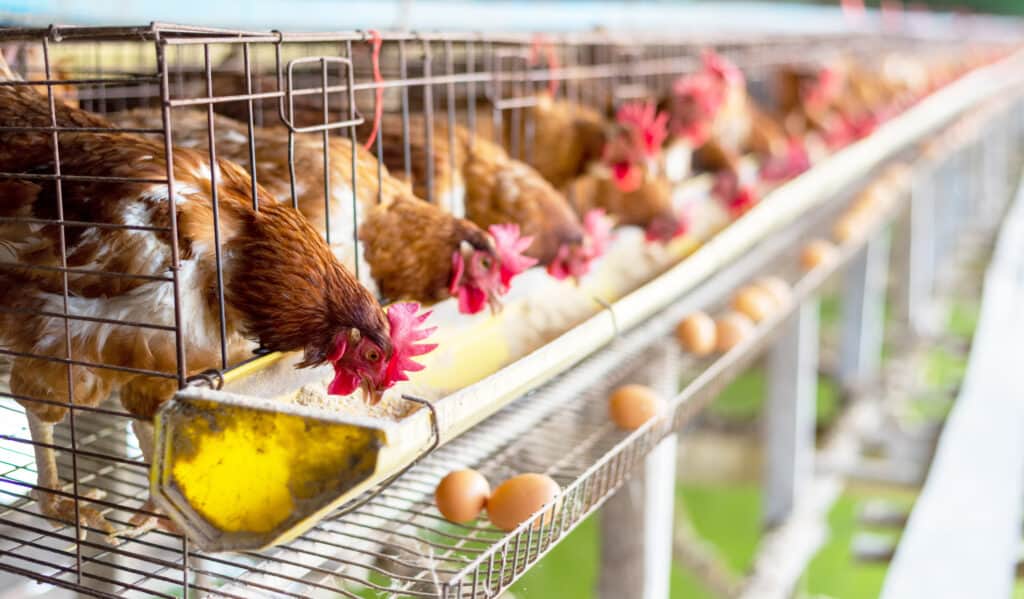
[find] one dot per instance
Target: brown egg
(849, 226)
(897, 175)
(732, 327)
(932, 149)
(630, 406)
(696, 333)
(754, 302)
(816, 253)
(519, 497)
(777, 288)
(871, 198)
(462, 495)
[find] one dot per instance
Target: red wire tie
(892, 14)
(853, 10)
(541, 44)
(378, 106)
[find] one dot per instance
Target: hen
(626, 181)
(466, 171)
(712, 111)
(610, 166)
(283, 288)
(414, 250)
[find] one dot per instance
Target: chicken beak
(371, 394)
(494, 302)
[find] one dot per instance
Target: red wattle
(471, 300)
(344, 382)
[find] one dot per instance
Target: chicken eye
(485, 262)
(372, 355)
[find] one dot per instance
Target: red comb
(648, 126)
(703, 89)
(510, 247)
(598, 228)
(405, 335)
(708, 95)
(721, 67)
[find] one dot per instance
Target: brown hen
(603, 164)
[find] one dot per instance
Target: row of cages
(150, 183)
(279, 105)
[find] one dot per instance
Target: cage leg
(788, 433)
(141, 520)
(918, 307)
(48, 477)
(636, 522)
(863, 314)
(636, 530)
(144, 519)
(102, 567)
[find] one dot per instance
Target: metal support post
(863, 313)
(920, 281)
(789, 413)
(637, 522)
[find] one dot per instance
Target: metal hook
(213, 379)
(53, 32)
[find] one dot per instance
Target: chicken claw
(146, 520)
(63, 509)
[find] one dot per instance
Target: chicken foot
(52, 504)
(147, 517)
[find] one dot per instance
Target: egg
(754, 302)
(520, 497)
(462, 495)
(849, 226)
(870, 198)
(817, 253)
(696, 333)
(732, 328)
(897, 175)
(630, 406)
(777, 288)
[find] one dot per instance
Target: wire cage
(306, 104)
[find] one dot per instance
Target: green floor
(729, 517)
